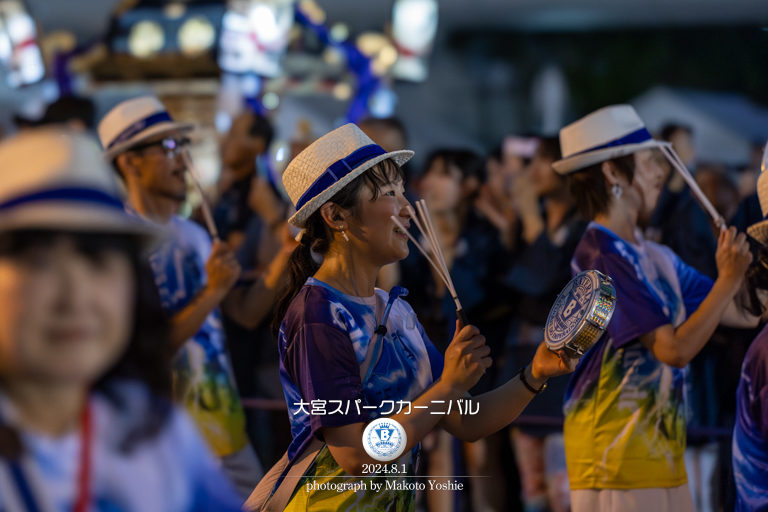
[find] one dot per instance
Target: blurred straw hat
(759, 230)
(51, 178)
(134, 121)
(330, 163)
(604, 134)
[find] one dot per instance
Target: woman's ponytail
(301, 266)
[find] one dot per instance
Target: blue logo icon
(384, 439)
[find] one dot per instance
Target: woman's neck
(348, 274)
(48, 408)
(620, 219)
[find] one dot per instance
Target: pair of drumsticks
(432, 252)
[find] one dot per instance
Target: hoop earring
(343, 233)
(616, 190)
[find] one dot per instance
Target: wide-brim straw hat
(759, 230)
(607, 133)
(134, 121)
(54, 179)
(328, 165)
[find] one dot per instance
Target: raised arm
(223, 270)
(249, 306)
(677, 347)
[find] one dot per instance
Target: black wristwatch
(525, 382)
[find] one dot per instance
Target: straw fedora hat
(330, 163)
(55, 179)
(607, 133)
(134, 121)
(759, 230)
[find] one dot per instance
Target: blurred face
(65, 316)
(441, 186)
(239, 148)
(381, 241)
(682, 142)
(648, 181)
(159, 171)
(545, 180)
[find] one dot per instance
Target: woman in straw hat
(346, 190)
(624, 407)
(750, 434)
(85, 418)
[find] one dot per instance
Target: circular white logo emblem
(384, 439)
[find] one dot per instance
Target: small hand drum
(580, 314)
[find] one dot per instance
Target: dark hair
(261, 128)
(669, 129)
(549, 147)
(387, 123)
(148, 354)
(756, 279)
(68, 108)
(317, 236)
(590, 189)
(469, 163)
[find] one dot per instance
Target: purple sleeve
(323, 365)
(694, 285)
(754, 377)
(637, 311)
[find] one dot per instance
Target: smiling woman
(84, 354)
(329, 321)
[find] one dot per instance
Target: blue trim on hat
(635, 137)
(86, 195)
(338, 170)
(140, 126)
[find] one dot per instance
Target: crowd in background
(508, 227)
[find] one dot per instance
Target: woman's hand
(466, 359)
(733, 258)
(548, 364)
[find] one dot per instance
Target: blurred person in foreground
(195, 279)
(625, 422)
(549, 231)
(86, 421)
(750, 435)
(476, 261)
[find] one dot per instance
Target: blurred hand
(287, 240)
(466, 359)
(547, 364)
(263, 201)
(486, 204)
(733, 257)
(222, 268)
(524, 195)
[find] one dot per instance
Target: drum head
(569, 311)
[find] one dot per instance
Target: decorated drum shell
(581, 313)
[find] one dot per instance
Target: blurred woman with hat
(86, 421)
(346, 190)
(624, 406)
